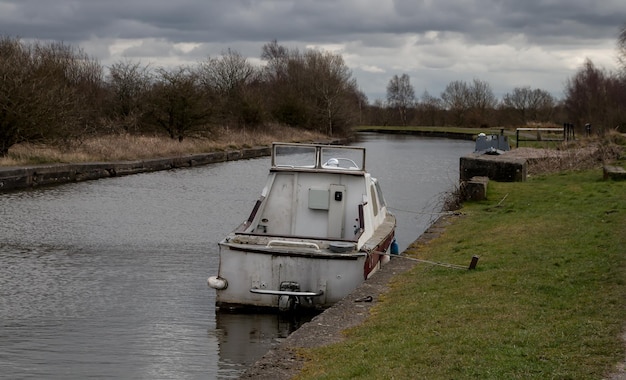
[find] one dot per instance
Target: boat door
(336, 211)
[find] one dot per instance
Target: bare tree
(177, 103)
(401, 95)
(129, 83)
(482, 103)
(331, 85)
(277, 58)
(469, 104)
(47, 92)
(378, 113)
(312, 90)
(455, 98)
(585, 95)
(530, 104)
(596, 97)
(481, 95)
(228, 73)
(429, 109)
(621, 49)
(285, 85)
(229, 77)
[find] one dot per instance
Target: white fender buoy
(217, 283)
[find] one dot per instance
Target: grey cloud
(308, 20)
(424, 37)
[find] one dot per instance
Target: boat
(492, 144)
(318, 230)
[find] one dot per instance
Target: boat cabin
(316, 192)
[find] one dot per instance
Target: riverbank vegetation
(124, 146)
(54, 93)
(546, 299)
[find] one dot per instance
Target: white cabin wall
(278, 207)
(287, 210)
(313, 222)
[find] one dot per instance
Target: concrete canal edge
(283, 361)
(12, 178)
(18, 178)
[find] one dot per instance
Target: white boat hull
(246, 271)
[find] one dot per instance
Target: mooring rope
(422, 213)
(447, 265)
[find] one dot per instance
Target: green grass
(547, 300)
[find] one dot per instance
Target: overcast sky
(507, 43)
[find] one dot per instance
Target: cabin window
(379, 192)
(374, 200)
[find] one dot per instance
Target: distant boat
(492, 144)
(319, 229)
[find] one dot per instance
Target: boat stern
(284, 277)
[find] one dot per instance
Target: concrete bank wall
(501, 168)
(54, 174)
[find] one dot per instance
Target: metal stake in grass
(474, 262)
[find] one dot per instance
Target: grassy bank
(546, 301)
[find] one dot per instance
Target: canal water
(107, 278)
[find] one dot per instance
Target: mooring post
(473, 262)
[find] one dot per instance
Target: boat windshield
(352, 159)
(294, 156)
(318, 156)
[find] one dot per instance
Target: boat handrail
(288, 243)
(286, 292)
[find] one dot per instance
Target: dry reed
(124, 147)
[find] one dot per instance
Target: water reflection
(244, 338)
(415, 173)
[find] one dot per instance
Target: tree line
(592, 96)
(54, 92)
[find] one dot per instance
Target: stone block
(475, 189)
(495, 167)
(614, 172)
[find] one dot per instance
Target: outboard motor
(288, 302)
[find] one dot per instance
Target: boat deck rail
(276, 241)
